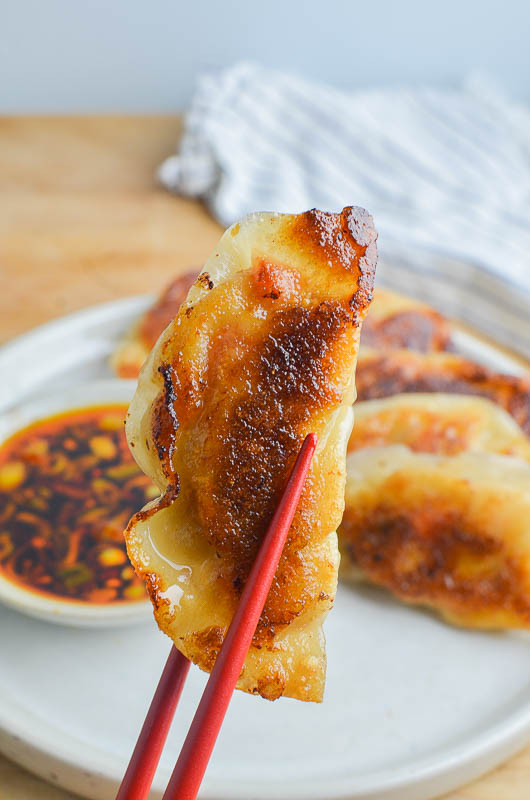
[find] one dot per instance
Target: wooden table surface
(81, 222)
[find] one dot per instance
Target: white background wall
(143, 55)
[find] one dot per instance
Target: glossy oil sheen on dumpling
(261, 353)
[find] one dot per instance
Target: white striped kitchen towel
(448, 170)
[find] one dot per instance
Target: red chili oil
(68, 487)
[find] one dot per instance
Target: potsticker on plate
(261, 353)
(397, 321)
(403, 371)
(438, 507)
(135, 346)
(446, 424)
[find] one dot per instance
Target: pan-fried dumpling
(394, 372)
(438, 423)
(134, 348)
(261, 353)
(452, 533)
(397, 321)
(407, 322)
(435, 484)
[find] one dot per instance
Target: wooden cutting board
(82, 221)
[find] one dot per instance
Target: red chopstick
(195, 754)
(202, 735)
(136, 783)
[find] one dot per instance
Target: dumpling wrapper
(397, 321)
(132, 350)
(440, 423)
(262, 352)
(437, 500)
(448, 532)
(404, 371)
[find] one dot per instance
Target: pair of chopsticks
(197, 748)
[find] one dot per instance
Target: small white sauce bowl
(51, 608)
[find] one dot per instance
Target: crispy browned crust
(402, 371)
(396, 321)
(226, 429)
(344, 242)
(428, 554)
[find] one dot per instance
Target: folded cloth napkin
(448, 170)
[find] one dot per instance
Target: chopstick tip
(311, 440)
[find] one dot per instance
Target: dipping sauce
(68, 486)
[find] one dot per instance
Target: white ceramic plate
(412, 708)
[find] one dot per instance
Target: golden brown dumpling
(438, 423)
(451, 533)
(396, 321)
(262, 352)
(435, 487)
(394, 372)
(136, 345)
